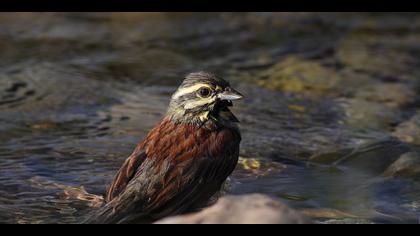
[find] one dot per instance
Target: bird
(183, 161)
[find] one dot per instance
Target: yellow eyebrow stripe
(191, 89)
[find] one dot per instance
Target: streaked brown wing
(125, 174)
(150, 195)
(131, 165)
(189, 185)
(184, 166)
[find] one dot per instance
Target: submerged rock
(408, 165)
(409, 131)
(372, 157)
(347, 221)
(246, 209)
(369, 115)
(390, 94)
(323, 213)
(371, 53)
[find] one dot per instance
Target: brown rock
(408, 165)
(409, 131)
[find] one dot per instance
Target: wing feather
(125, 174)
(176, 168)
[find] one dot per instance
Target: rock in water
(409, 130)
(374, 157)
(245, 209)
(408, 165)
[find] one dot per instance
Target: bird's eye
(204, 92)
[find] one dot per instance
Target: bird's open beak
(230, 95)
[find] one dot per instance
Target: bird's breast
(180, 142)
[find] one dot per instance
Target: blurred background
(330, 123)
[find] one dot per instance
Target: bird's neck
(221, 117)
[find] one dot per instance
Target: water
(79, 90)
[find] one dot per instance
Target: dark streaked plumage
(183, 161)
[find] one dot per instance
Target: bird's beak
(230, 94)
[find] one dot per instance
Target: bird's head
(203, 96)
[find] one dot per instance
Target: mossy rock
(298, 75)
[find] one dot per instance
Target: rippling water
(329, 98)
